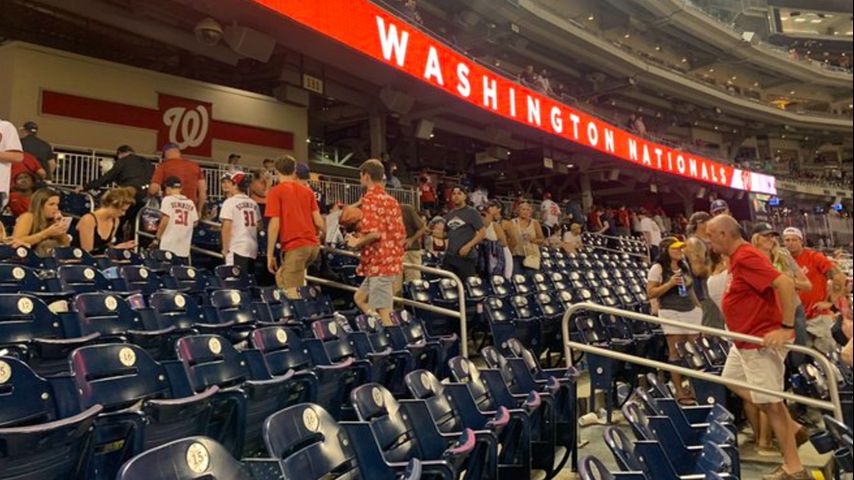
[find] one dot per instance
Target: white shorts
(762, 367)
(690, 318)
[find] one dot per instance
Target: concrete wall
(27, 70)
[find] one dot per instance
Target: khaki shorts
(413, 257)
(379, 291)
(759, 367)
(294, 264)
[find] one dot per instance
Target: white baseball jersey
(550, 213)
(9, 142)
(183, 216)
(245, 219)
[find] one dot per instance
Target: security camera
(208, 32)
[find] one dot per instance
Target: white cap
(795, 232)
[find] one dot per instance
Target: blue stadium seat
(309, 444)
(243, 401)
(196, 458)
(232, 311)
(122, 256)
(408, 332)
(283, 351)
(73, 256)
(278, 309)
(591, 468)
(231, 277)
(505, 325)
(160, 260)
(137, 278)
(19, 256)
(106, 314)
(404, 430)
(145, 403)
(16, 278)
(187, 279)
(40, 441)
(371, 339)
(489, 391)
(453, 410)
(312, 305)
(82, 279)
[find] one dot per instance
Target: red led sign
(378, 34)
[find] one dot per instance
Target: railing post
(829, 370)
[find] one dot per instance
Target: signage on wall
(186, 122)
(369, 29)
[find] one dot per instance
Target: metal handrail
(833, 388)
(461, 313)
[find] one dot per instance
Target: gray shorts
(380, 291)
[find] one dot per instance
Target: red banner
(378, 34)
(182, 121)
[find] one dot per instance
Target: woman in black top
(96, 231)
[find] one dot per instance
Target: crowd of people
(767, 285)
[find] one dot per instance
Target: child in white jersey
(178, 219)
(241, 219)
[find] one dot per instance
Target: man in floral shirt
(381, 238)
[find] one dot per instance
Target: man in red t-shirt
(759, 301)
(380, 241)
(296, 223)
(30, 164)
(193, 184)
(817, 303)
(428, 194)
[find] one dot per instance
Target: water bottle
(683, 290)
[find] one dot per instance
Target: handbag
(532, 256)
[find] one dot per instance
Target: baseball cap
(235, 177)
(718, 205)
(169, 146)
(795, 232)
(764, 228)
(172, 182)
(677, 244)
(350, 216)
(303, 172)
(31, 127)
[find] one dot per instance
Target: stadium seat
(229, 314)
(309, 444)
(19, 256)
(137, 278)
(187, 279)
(196, 458)
(312, 305)
(431, 352)
(591, 468)
(453, 409)
(371, 339)
(332, 345)
(283, 353)
(231, 277)
(16, 278)
(160, 260)
(82, 279)
(73, 256)
(489, 392)
(504, 324)
(106, 314)
(243, 402)
(145, 403)
(39, 440)
(405, 430)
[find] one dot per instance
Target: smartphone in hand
(65, 222)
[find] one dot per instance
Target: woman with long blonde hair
(96, 231)
(43, 226)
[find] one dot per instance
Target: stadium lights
(591, 17)
(627, 35)
(658, 48)
(791, 92)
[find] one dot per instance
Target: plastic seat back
(423, 385)
(24, 317)
(25, 397)
(116, 375)
(194, 458)
(175, 309)
(138, 277)
(376, 405)
(73, 256)
(82, 279)
(309, 443)
(231, 277)
(464, 371)
(185, 278)
(623, 450)
(211, 360)
(105, 313)
(282, 350)
(232, 306)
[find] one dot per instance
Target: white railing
(78, 166)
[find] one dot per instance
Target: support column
(586, 192)
(376, 124)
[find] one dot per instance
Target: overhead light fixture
(684, 60)
(628, 35)
(716, 127)
(783, 136)
(791, 92)
(711, 69)
(591, 17)
(733, 77)
(658, 48)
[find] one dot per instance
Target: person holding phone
(43, 226)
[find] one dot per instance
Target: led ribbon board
(371, 30)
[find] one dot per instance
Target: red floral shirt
(381, 213)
